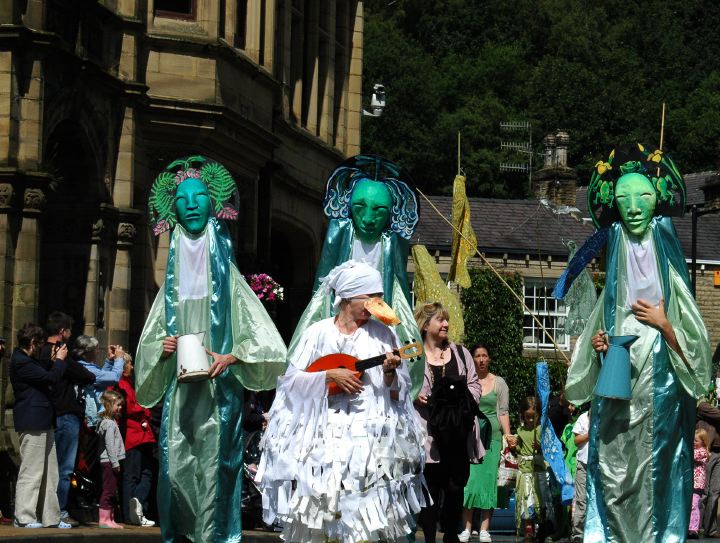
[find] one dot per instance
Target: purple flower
(227, 213)
(160, 227)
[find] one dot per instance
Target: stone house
(97, 96)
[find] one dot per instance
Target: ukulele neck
(368, 363)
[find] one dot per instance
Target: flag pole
(458, 168)
(662, 133)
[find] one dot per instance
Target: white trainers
(485, 537)
(135, 512)
(147, 523)
(464, 536)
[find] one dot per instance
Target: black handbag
(452, 413)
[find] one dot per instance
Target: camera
(377, 101)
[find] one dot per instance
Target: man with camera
(69, 404)
(36, 503)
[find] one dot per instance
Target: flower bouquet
(265, 287)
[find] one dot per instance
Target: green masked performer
(640, 465)
(199, 487)
(373, 211)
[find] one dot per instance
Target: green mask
(371, 205)
(636, 200)
(193, 205)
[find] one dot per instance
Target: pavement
(133, 534)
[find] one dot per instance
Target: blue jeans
(66, 444)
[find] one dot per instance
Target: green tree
(599, 69)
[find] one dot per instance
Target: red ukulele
(410, 352)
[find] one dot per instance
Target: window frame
(543, 315)
(192, 16)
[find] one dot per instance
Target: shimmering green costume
(640, 463)
(201, 449)
(639, 471)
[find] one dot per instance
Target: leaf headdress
(221, 186)
(405, 212)
(656, 166)
(659, 169)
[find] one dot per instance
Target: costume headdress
(656, 166)
(660, 171)
(405, 212)
(221, 185)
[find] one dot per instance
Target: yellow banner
(429, 288)
(462, 250)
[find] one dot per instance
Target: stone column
(119, 305)
(7, 256)
(352, 142)
(26, 273)
(92, 288)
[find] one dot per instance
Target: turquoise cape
(639, 484)
(336, 250)
(201, 449)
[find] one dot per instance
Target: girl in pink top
(700, 457)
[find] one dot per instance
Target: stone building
(97, 96)
(526, 236)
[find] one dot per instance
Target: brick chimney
(556, 181)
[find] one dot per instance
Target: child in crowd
(581, 431)
(701, 454)
(139, 445)
(532, 481)
(112, 451)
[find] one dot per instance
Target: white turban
(352, 279)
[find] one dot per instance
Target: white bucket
(193, 361)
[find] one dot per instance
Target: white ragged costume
(344, 468)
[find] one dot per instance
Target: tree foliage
(494, 318)
(601, 70)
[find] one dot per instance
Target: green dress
(531, 495)
(481, 490)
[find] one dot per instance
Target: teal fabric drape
(395, 249)
(640, 458)
(199, 487)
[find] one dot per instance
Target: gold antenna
(662, 133)
(458, 169)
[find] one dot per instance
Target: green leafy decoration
(220, 183)
(162, 198)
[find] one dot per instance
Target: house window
(241, 24)
(551, 312)
(177, 9)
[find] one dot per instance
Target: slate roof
(520, 227)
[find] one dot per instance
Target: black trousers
(137, 477)
(446, 482)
